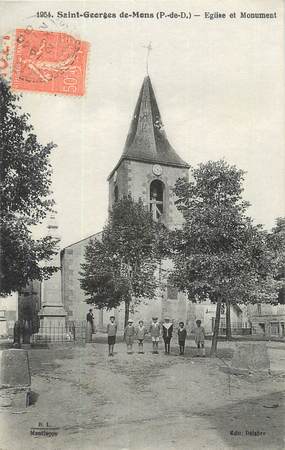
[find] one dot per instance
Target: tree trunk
(216, 329)
(127, 311)
(228, 320)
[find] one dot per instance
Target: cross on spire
(149, 48)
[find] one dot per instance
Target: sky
(219, 86)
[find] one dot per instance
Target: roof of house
(92, 236)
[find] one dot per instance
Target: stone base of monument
(52, 325)
(250, 357)
(15, 379)
(17, 398)
(26, 346)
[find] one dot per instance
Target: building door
(274, 328)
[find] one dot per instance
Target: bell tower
(149, 166)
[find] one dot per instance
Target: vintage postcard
(142, 226)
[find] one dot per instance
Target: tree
(219, 252)
(25, 199)
(277, 244)
(121, 267)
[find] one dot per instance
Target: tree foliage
(25, 199)
(277, 245)
(219, 252)
(121, 266)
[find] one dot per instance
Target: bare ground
(147, 402)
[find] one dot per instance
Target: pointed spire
(147, 140)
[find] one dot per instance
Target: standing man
(90, 325)
(112, 332)
(90, 319)
(154, 330)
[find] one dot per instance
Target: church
(147, 169)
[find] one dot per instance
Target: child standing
(200, 338)
(167, 330)
(140, 333)
(154, 330)
(129, 336)
(111, 331)
(182, 333)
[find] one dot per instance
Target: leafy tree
(277, 245)
(219, 252)
(25, 179)
(121, 267)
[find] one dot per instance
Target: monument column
(52, 314)
(191, 315)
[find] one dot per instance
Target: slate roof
(147, 140)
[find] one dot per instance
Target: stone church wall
(73, 296)
(135, 177)
(140, 177)
(168, 302)
(122, 181)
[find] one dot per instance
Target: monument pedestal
(15, 379)
(250, 357)
(52, 324)
(52, 314)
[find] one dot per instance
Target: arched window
(156, 199)
(116, 193)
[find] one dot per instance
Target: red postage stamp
(52, 62)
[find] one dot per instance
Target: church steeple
(147, 140)
(149, 166)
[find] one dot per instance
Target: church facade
(148, 170)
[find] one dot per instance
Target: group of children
(132, 333)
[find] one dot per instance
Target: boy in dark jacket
(182, 334)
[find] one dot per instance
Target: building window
(259, 309)
(116, 193)
(172, 292)
(156, 199)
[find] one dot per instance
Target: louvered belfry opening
(156, 199)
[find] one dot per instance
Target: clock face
(157, 169)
